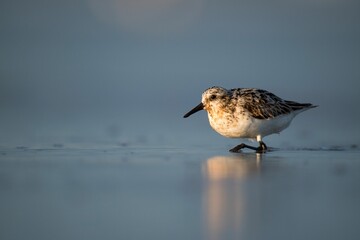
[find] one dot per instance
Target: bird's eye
(212, 97)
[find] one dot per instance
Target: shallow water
(174, 193)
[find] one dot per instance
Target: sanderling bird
(247, 113)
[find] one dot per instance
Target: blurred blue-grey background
(92, 98)
(125, 71)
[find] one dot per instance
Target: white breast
(244, 126)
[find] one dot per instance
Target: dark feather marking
(262, 104)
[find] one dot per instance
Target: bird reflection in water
(223, 199)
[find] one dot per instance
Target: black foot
(261, 149)
(241, 146)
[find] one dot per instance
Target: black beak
(194, 110)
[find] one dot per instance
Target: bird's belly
(230, 126)
(248, 127)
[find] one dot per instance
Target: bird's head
(212, 98)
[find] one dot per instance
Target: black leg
(261, 149)
(241, 146)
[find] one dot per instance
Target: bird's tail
(299, 107)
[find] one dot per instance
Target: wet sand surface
(178, 193)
